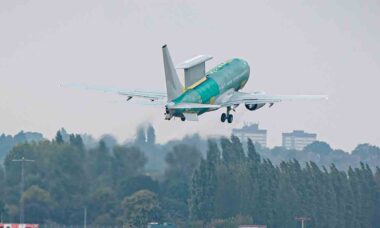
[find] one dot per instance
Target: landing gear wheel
(183, 118)
(223, 117)
(230, 118)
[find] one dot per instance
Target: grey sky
(293, 47)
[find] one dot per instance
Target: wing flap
(259, 98)
(191, 116)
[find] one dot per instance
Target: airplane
(209, 91)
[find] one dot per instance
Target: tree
(127, 162)
(365, 151)
(228, 187)
(201, 199)
(181, 163)
(141, 208)
(150, 135)
(140, 136)
(376, 213)
(109, 141)
(59, 138)
(140, 182)
(2, 183)
(76, 140)
(38, 205)
(232, 150)
(99, 166)
(318, 147)
(101, 206)
(252, 154)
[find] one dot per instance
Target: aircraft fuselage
(230, 75)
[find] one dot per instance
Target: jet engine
(253, 107)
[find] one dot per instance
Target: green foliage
(2, 196)
(39, 204)
(181, 161)
(101, 206)
(141, 208)
(59, 138)
(127, 162)
(275, 195)
(66, 177)
(229, 185)
(150, 135)
(318, 147)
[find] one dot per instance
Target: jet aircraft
(209, 91)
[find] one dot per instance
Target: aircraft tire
(223, 117)
(230, 118)
(183, 118)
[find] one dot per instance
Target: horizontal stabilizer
(191, 116)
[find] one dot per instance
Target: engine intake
(253, 107)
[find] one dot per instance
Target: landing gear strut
(227, 116)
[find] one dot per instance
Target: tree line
(227, 184)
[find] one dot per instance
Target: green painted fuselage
(230, 75)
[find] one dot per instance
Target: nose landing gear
(227, 116)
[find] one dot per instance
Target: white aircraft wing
(260, 98)
(152, 96)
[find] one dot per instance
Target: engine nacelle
(253, 107)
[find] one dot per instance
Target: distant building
(251, 131)
(297, 140)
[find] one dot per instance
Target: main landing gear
(227, 116)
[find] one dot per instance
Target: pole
(22, 211)
(302, 220)
(85, 218)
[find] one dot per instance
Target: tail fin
(173, 85)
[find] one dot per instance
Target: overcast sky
(293, 47)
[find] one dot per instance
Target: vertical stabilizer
(173, 85)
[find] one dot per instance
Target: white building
(297, 139)
(252, 131)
